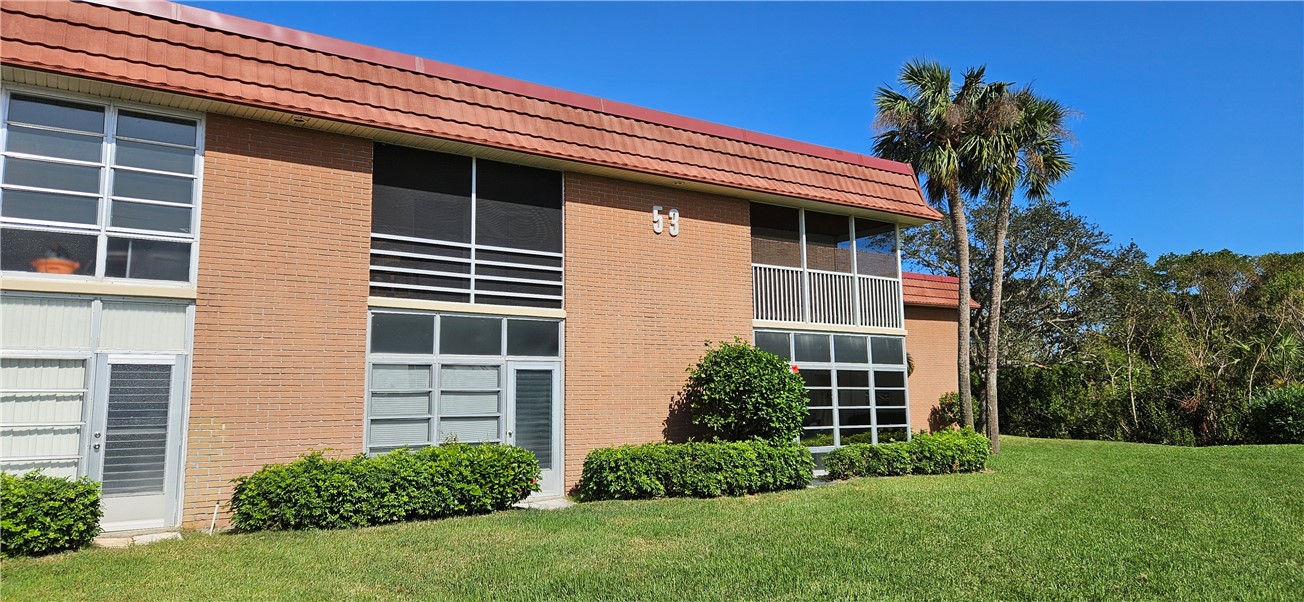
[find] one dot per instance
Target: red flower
(795, 370)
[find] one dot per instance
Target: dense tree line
(1098, 341)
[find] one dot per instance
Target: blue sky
(1192, 127)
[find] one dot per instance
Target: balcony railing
(820, 297)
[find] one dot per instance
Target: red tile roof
(186, 50)
(932, 291)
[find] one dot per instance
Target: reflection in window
(851, 400)
(876, 248)
(776, 236)
(58, 179)
(828, 242)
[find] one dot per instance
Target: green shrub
(697, 469)
(942, 452)
(948, 451)
(865, 460)
(40, 514)
(1278, 416)
(315, 492)
(737, 392)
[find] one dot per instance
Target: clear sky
(1192, 127)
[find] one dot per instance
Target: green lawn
(1051, 520)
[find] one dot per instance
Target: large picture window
(453, 228)
(857, 385)
(439, 377)
(97, 190)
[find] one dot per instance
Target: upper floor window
(824, 268)
(834, 243)
(97, 189)
(453, 228)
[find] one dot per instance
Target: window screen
(518, 207)
(421, 194)
(776, 235)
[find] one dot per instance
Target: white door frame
(176, 419)
(551, 482)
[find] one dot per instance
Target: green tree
(1027, 154)
(940, 130)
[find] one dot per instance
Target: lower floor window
(438, 378)
(856, 384)
(415, 405)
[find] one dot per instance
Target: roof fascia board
(319, 43)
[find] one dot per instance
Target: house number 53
(659, 221)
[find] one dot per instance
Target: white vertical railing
(831, 297)
(880, 301)
(782, 294)
(776, 293)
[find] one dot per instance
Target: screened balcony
(822, 268)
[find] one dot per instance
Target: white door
(534, 418)
(134, 445)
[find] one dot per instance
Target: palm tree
(1025, 152)
(942, 131)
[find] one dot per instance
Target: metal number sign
(658, 222)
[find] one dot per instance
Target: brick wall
(639, 305)
(931, 342)
(280, 319)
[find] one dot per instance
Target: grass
(1051, 520)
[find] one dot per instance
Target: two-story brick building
(226, 243)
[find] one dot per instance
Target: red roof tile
(932, 291)
(191, 51)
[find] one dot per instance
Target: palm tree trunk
(994, 321)
(960, 231)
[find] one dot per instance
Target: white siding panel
(51, 468)
(130, 326)
(30, 408)
(45, 323)
(42, 374)
(40, 442)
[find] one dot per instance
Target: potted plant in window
(56, 261)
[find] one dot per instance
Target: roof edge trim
(310, 41)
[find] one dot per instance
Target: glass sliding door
(134, 439)
(536, 418)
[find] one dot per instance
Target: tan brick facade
(931, 342)
(640, 305)
(281, 314)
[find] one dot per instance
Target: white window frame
(102, 229)
(436, 359)
(833, 366)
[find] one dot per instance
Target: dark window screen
(776, 236)
(518, 207)
(421, 194)
(828, 242)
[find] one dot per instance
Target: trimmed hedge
(315, 492)
(867, 460)
(942, 452)
(1278, 416)
(41, 515)
(737, 392)
(703, 470)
